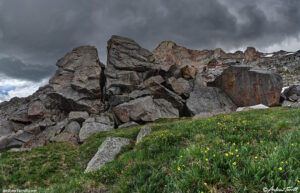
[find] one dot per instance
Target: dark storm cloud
(41, 31)
(15, 68)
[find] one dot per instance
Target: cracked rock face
(128, 65)
(77, 82)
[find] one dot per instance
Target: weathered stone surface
(5, 128)
(89, 128)
(77, 82)
(260, 106)
(4, 141)
(129, 124)
(36, 128)
(189, 72)
(248, 86)
(23, 136)
(143, 133)
(128, 65)
(181, 86)
(154, 80)
(209, 100)
(92, 125)
(107, 152)
(64, 137)
(36, 108)
(292, 96)
(145, 109)
(79, 116)
(159, 91)
(73, 127)
(292, 93)
(251, 54)
(287, 103)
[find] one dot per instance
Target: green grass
(236, 152)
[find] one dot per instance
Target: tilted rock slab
(248, 86)
(106, 152)
(143, 133)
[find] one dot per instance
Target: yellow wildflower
(234, 163)
(286, 162)
(233, 144)
(205, 184)
(236, 150)
(255, 157)
(226, 154)
(178, 168)
(237, 156)
(214, 155)
(280, 168)
(292, 144)
(207, 148)
(206, 159)
(205, 151)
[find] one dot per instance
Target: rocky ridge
(139, 86)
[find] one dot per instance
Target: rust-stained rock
(248, 86)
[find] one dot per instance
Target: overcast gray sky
(34, 34)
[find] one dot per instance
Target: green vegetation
(236, 152)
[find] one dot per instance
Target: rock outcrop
(138, 86)
(42, 117)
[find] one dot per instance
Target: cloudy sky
(34, 34)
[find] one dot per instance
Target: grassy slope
(238, 152)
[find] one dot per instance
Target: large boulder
(181, 86)
(128, 65)
(106, 152)
(292, 93)
(77, 83)
(209, 100)
(79, 116)
(292, 96)
(248, 86)
(104, 122)
(145, 109)
(36, 109)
